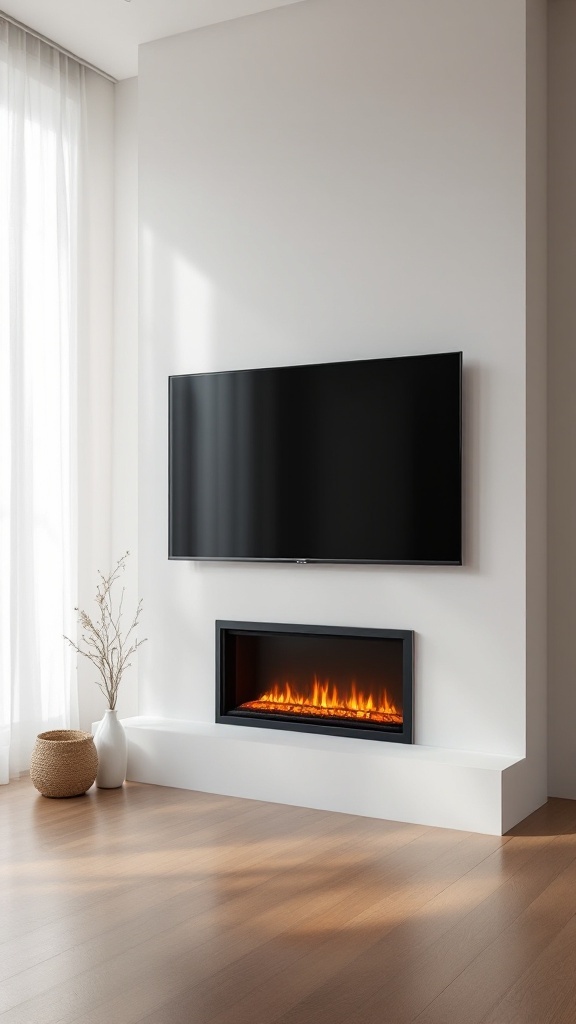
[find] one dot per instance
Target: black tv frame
(315, 561)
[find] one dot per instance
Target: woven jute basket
(64, 762)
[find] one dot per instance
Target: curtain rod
(56, 46)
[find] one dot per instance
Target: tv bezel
(311, 560)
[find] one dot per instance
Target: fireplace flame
(325, 700)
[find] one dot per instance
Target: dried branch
(101, 642)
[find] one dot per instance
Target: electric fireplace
(328, 679)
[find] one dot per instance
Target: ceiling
(107, 33)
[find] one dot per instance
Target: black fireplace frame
(381, 732)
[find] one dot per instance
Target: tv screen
(333, 462)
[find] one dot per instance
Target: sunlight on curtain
(41, 110)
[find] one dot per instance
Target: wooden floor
(163, 906)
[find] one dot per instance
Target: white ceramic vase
(110, 742)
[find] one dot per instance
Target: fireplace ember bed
(322, 679)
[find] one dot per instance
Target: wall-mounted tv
(354, 461)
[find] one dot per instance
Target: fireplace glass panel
(328, 682)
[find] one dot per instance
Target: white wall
(562, 405)
(108, 365)
(528, 785)
(95, 370)
(342, 179)
(124, 507)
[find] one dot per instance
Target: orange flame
(326, 701)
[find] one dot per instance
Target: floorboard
(147, 905)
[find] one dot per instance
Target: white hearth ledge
(401, 782)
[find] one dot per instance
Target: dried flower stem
(102, 642)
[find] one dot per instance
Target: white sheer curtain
(41, 119)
